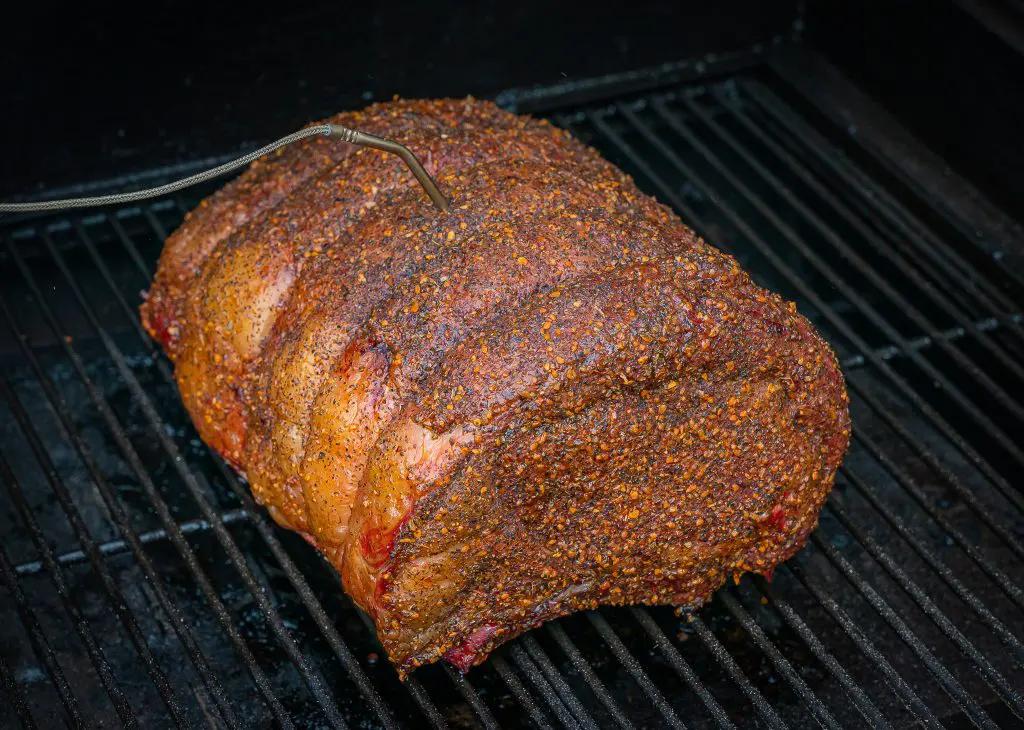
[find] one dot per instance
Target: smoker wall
(90, 94)
(950, 71)
(94, 94)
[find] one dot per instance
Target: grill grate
(143, 586)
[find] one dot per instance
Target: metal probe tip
(354, 136)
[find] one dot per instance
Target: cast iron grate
(142, 586)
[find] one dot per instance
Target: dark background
(90, 94)
(951, 71)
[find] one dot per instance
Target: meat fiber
(551, 397)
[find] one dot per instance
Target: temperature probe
(352, 136)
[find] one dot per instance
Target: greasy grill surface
(140, 583)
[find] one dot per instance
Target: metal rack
(143, 586)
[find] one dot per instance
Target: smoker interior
(142, 584)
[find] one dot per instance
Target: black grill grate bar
(106, 674)
(133, 542)
(412, 685)
(1004, 488)
(562, 689)
(15, 697)
(586, 671)
(130, 539)
(309, 675)
(860, 699)
(40, 645)
(521, 694)
(769, 101)
(910, 698)
(779, 136)
(849, 254)
(130, 315)
(949, 683)
(679, 664)
(968, 405)
(928, 606)
(923, 342)
(870, 205)
(422, 699)
(721, 654)
(111, 548)
(469, 693)
(965, 494)
(84, 537)
(316, 610)
(534, 675)
(171, 529)
(785, 667)
(634, 668)
(157, 226)
(1008, 586)
(122, 234)
(941, 569)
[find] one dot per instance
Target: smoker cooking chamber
(141, 584)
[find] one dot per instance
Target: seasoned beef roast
(553, 396)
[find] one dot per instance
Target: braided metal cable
(321, 130)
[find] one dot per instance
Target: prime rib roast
(550, 397)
